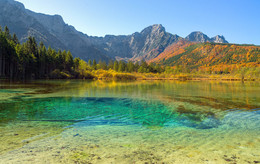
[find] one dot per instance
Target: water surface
(134, 122)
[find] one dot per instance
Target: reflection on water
(160, 121)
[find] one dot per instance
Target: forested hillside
(220, 58)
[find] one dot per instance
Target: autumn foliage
(210, 57)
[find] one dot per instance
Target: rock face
(198, 36)
(54, 32)
(14, 16)
(219, 39)
(149, 43)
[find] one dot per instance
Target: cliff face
(137, 45)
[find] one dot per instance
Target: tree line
(122, 66)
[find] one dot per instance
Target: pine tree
(94, 66)
(15, 39)
(116, 65)
(7, 33)
(89, 63)
(136, 67)
(69, 61)
(130, 66)
(110, 64)
(120, 67)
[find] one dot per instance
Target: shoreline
(200, 79)
(149, 77)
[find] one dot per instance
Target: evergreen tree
(110, 64)
(15, 39)
(116, 65)
(121, 66)
(158, 68)
(7, 33)
(59, 60)
(42, 59)
(94, 66)
(136, 67)
(76, 63)
(141, 69)
(130, 66)
(63, 59)
(144, 65)
(89, 63)
(103, 65)
(69, 61)
(151, 68)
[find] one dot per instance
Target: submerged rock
(209, 123)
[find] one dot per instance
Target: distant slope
(198, 55)
(172, 50)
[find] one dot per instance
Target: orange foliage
(172, 50)
(210, 56)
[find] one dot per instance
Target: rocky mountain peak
(197, 36)
(219, 39)
(13, 3)
(156, 28)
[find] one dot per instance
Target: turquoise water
(135, 122)
(104, 111)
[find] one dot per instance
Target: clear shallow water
(137, 122)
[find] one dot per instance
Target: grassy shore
(112, 75)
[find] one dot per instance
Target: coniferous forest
(30, 60)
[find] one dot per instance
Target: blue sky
(237, 20)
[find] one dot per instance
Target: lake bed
(129, 122)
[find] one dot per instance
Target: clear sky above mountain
(237, 20)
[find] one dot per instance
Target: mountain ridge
(53, 31)
(198, 36)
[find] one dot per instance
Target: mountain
(219, 39)
(198, 36)
(53, 31)
(13, 14)
(147, 44)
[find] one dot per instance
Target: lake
(129, 122)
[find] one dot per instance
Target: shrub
(57, 74)
(124, 77)
(106, 76)
(87, 75)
